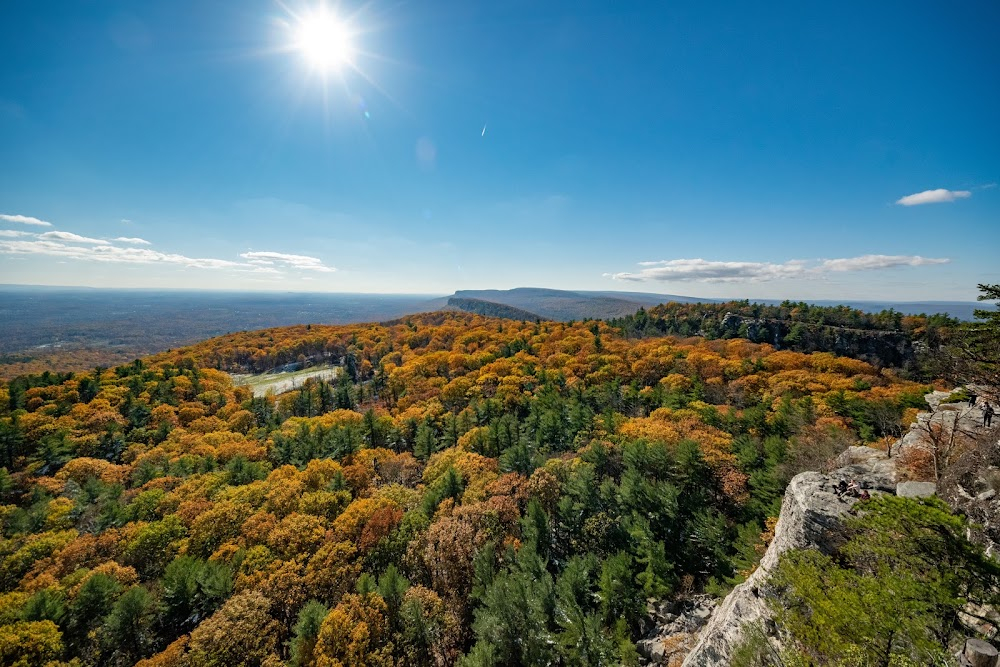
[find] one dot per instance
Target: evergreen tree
(306, 632)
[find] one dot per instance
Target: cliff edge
(811, 512)
(810, 518)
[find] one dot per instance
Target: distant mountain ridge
(582, 304)
(492, 309)
(571, 305)
(67, 328)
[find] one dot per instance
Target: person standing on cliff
(988, 416)
(972, 398)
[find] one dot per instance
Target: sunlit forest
(377, 333)
(467, 490)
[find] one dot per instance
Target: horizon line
(434, 295)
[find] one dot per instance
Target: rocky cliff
(811, 512)
(882, 348)
(810, 518)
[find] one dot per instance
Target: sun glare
(330, 51)
(324, 41)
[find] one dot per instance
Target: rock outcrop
(970, 477)
(674, 630)
(886, 348)
(810, 518)
(916, 489)
(811, 513)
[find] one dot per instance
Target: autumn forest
(466, 489)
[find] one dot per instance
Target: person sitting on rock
(841, 488)
(865, 495)
(988, 416)
(853, 489)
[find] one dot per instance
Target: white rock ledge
(810, 518)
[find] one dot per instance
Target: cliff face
(811, 513)
(884, 348)
(810, 518)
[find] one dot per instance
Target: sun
(324, 41)
(331, 50)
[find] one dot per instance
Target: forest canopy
(467, 489)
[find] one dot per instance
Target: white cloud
(130, 250)
(933, 197)
(70, 237)
(66, 245)
(874, 262)
(303, 262)
(24, 220)
(110, 253)
(700, 270)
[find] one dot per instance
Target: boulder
(916, 489)
(978, 653)
(855, 454)
(675, 629)
(935, 397)
(652, 650)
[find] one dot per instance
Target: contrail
(484, 131)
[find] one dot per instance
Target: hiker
(853, 489)
(865, 495)
(841, 488)
(972, 398)
(988, 416)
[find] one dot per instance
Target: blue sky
(711, 149)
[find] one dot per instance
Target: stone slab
(916, 489)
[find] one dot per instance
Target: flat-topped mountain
(575, 305)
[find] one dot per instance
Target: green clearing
(279, 383)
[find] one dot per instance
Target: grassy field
(279, 383)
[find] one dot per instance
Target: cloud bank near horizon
(69, 246)
(302, 262)
(706, 271)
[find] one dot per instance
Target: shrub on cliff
(892, 594)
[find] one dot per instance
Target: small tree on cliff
(973, 356)
(898, 588)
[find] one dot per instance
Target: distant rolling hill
(577, 305)
(492, 309)
(566, 305)
(59, 328)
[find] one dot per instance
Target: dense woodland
(79, 330)
(492, 309)
(63, 329)
(886, 339)
(469, 490)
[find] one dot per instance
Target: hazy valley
(76, 329)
